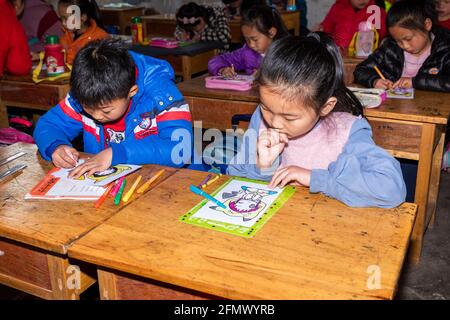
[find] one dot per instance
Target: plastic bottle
(54, 56)
(364, 40)
(136, 30)
(291, 6)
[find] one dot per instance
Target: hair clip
(190, 20)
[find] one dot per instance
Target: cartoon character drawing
(102, 175)
(246, 203)
(115, 136)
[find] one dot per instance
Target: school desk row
(314, 247)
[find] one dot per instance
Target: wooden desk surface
(313, 247)
(28, 79)
(427, 106)
(49, 225)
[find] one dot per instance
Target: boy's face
(111, 111)
(443, 8)
(359, 4)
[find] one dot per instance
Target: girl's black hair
(192, 10)
(411, 14)
(310, 69)
(88, 7)
(263, 18)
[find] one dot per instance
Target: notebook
(369, 97)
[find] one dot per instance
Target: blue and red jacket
(158, 124)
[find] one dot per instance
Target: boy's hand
(383, 84)
(270, 144)
(403, 83)
(227, 72)
(292, 174)
(100, 162)
(65, 156)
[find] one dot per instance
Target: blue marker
(196, 190)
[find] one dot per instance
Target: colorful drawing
(401, 93)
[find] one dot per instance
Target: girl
(14, 50)
(415, 55)
(311, 131)
(344, 17)
(90, 29)
(260, 25)
(443, 11)
(196, 22)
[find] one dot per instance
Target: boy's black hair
(263, 17)
(309, 69)
(88, 7)
(411, 14)
(191, 10)
(103, 71)
(247, 4)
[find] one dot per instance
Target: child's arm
(328, 24)
(364, 175)
(18, 59)
(235, 58)
(59, 126)
(438, 82)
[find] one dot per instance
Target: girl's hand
(383, 84)
(270, 144)
(184, 36)
(227, 72)
(100, 162)
(403, 83)
(65, 156)
(292, 174)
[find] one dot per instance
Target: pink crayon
(116, 187)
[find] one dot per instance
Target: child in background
(14, 51)
(443, 11)
(260, 26)
(232, 8)
(196, 22)
(415, 55)
(343, 19)
(125, 104)
(311, 131)
(39, 21)
(90, 29)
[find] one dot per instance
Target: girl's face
(288, 117)
(256, 40)
(443, 8)
(359, 4)
(19, 5)
(412, 41)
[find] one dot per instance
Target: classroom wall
(317, 10)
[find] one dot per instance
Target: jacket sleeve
(364, 72)
(328, 24)
(18, 60)
(235, 58)
(438, 82)
(243, 163)
(59, 126)
(364, 175)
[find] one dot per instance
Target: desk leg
(186, 65)
(422, 189)
(4, 123)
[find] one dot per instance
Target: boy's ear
(428, 24)
(273, 32)
(133, 91)
(328, 106)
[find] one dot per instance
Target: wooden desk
(23, 92)
(35, 235)
(120, 17)
(408, 129)
(164, 25)
(350, 66)
(185, 61)
(314, 247)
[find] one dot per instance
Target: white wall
(317, 9)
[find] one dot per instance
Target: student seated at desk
(311, 130)
(14, 51)
(417, 54)
(260, 26)
(125, 104)
(196, 22)
(91, 27)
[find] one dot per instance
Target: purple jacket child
(243, 59)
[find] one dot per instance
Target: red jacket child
(343, 19)
(14, 51)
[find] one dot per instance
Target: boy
(125, 104)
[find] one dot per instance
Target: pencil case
(369, 97)
(240, 83)
(164, 43)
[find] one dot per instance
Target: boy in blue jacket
(127, 107)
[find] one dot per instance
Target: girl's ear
(328, 106)
(428, 24)
(272, 32)
(133, 91)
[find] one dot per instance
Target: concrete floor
(429, 280)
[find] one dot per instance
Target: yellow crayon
(131, 191)
(210, 181)
(146, 185)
